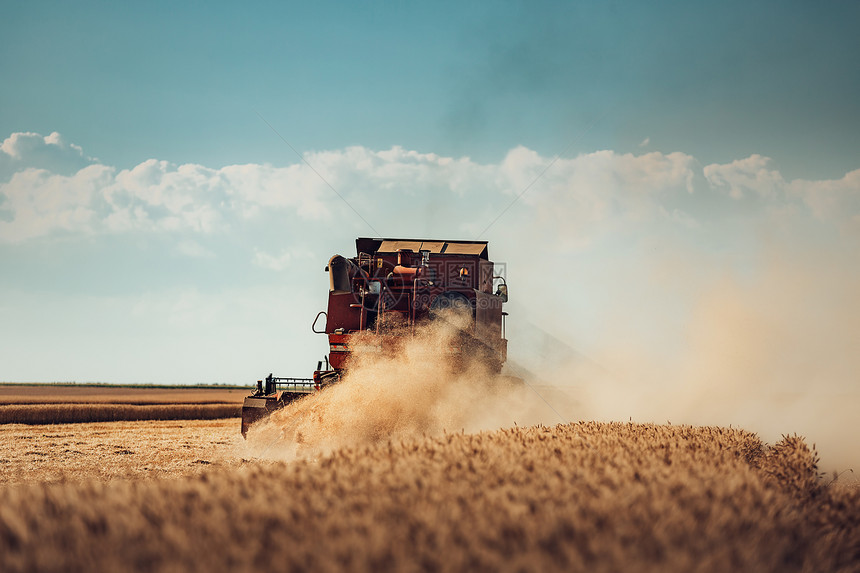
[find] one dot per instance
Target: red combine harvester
(382, 294)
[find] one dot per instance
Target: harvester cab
(382, 294)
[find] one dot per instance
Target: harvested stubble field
(58, 404)
(582, 496)
(115, 450)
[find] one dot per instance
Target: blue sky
(185, 80)
(688, 179)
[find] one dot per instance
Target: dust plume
(774, 348)
(425, 387)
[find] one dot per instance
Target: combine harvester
(385, 292)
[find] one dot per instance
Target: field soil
(574, 497)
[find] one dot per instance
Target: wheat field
(572, 497)
(60, 403)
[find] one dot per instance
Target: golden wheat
(584, 496)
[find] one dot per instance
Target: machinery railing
(295, 385)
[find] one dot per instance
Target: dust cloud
(774, 349)
(424, 387)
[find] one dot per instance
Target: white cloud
(251, 187)
(835, 200)
(393, 189)
(645, 142)
(161, 196)
(598, 191)
(153, 196)
(39, 202)
(399, 172)
(20, 151)
(744, 176)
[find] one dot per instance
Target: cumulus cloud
(398, 172)
(744, 176)
(154, 196)
(581, 197)
(20, 151)
(38, 202)
(836, 200)
(833, 201)
(596, 192)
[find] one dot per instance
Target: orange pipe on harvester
(404, 270)
(408, 271)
